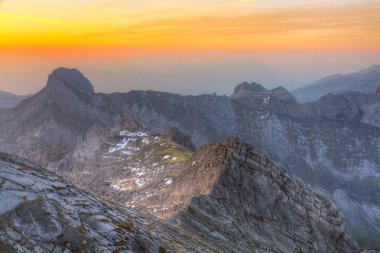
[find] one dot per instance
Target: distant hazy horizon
(185, 78)
(185, 47)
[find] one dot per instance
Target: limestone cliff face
(256, 204)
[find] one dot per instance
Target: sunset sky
(185, 46)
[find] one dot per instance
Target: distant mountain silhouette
(8, 99)
(364, 81)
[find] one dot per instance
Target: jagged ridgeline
(234, 199)
(119, 145)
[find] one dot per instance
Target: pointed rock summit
(282, 94)
(247, 88)
(70, 78)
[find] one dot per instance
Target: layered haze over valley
(202, 126)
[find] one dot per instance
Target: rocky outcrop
(336, 107)
(369, 104)
(41, 212)
(239, 191)
(70, 78)
(178, 137)
(245, 89)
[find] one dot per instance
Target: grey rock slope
(41, 212)
(8, 100)
(50, 123)
(364, 81)
(332, 144)
(235, 200)
(128, 168)
(255, 203)
(369, 105)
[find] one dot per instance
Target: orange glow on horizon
(132, 41)
(354, 27)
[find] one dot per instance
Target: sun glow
(218, 25)
(115, 34)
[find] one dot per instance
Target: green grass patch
(172, 150)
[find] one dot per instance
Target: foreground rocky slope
(234, 200)
(40, 212)
(332, 144)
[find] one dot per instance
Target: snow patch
(119, 146)
(266, 99)
(165, 157)
(145, 141)
(168, 181)
(132, 134)
(139, 182)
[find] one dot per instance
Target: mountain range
(364, 81)
(10, 100)
(137, 148)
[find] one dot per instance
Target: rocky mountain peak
(247, 88)
(282, 94)
(70, 78)
(336, 107)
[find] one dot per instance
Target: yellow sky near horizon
(173, 24)
(161, 44)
